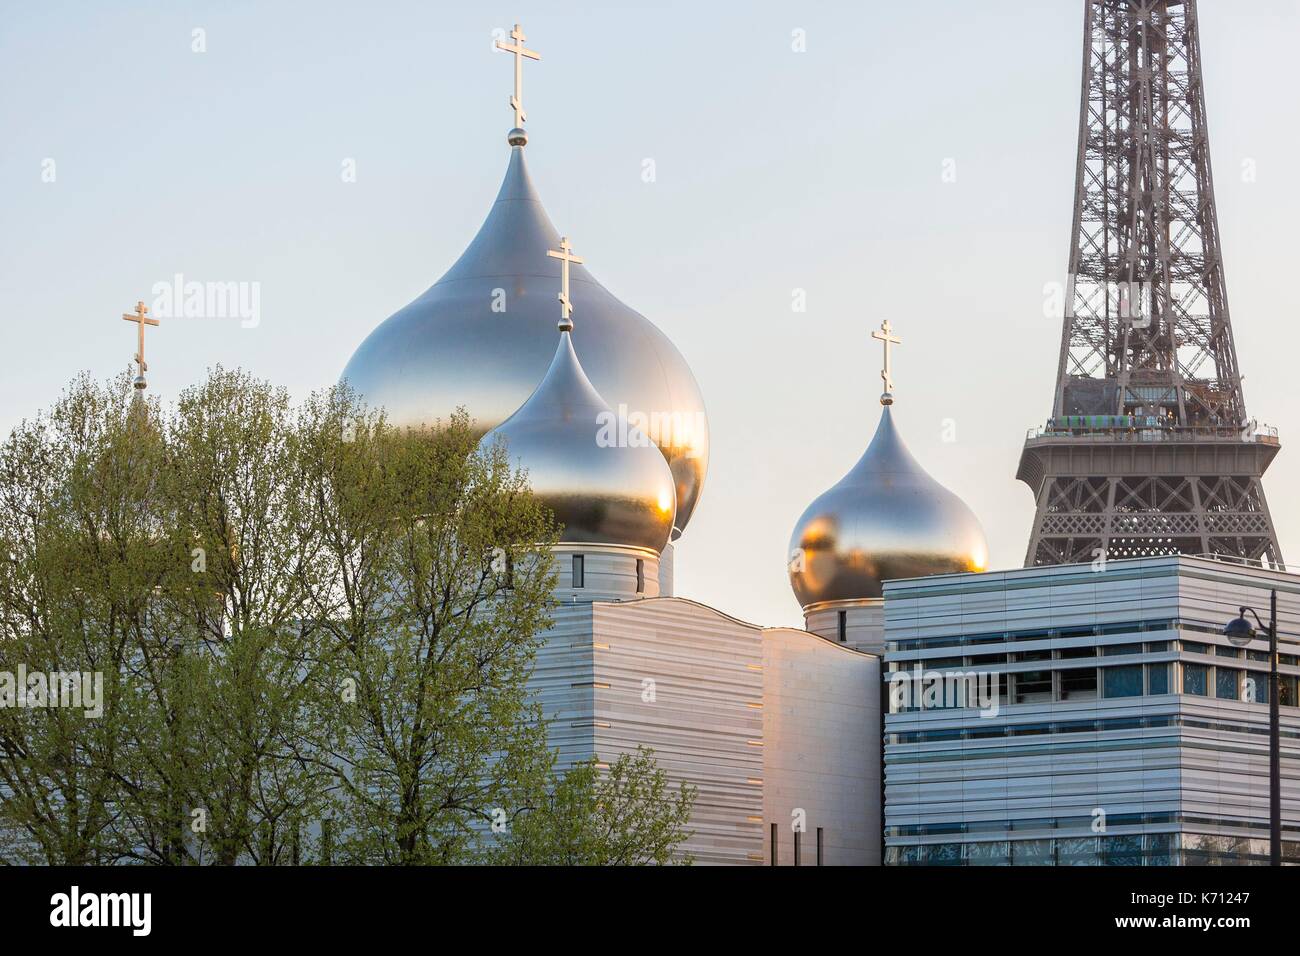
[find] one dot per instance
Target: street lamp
(1240, 632)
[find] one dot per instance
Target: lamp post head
(1239, 630)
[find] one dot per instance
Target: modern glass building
(1087, 714)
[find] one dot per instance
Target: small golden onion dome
(886, 519)
(606, 482)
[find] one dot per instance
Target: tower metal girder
(1147, 355)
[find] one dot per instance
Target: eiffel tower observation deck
(1149, 449)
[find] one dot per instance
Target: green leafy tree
(624, 816)
(435, 585)
(255, 717)
(78, 567)
(314, 633)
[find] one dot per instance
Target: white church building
(779, 729)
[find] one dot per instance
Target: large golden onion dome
(481, 336)
(887, 518)
(604, 487)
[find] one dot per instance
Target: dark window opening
(640, 575)
(1033, 686)
(579, 574)
(1123, 681)
(1079, 684)
(844, 626)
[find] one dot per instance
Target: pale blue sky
(776, 170)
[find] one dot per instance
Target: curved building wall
(761, 722)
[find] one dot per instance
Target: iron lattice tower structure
(1149, 450)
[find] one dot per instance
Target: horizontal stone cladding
(864, 623)
(608, 573)
(562, 682)
(686, 681)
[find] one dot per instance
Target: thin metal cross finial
(885, 335)
(519, 51)
(141, 318)
(565, 255)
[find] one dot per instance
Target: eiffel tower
(1149, 450)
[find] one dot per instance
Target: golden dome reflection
(886, 519)
(616, 493)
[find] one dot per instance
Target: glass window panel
(1227, 683)
(1033, 686)
(909, 855)
(1122, 850)
(1032, 853)
(1159, 849)
(1286, 690)
(1028, 730)
(934, 663)
(988, 854)
(1035, 823)
(1077, 851)
(1157, 678)
(1220, 651)
(1123, 681)
(1118, 650)
(943, 854)
(1079, 684)
(1196, 679)
(1032, 656)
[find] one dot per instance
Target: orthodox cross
(518, 49)
(141, 318)
(885, 335)
(565, 255)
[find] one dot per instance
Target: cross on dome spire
(565, 255)
(141, 319)
(885, 335)
(517, 135)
